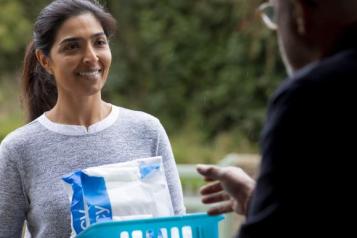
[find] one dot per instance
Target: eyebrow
(71, 39)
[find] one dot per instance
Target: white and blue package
(130, 190)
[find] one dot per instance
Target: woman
(71, 128)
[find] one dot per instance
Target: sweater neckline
(77, 130)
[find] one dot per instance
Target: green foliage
(10, 111)
(15, 30)
(206, 68)
(210, 62)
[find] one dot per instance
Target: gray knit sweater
(34, 157)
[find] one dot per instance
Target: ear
(44, 61)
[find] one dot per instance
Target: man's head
(308, 29)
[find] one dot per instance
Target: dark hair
(39, 91)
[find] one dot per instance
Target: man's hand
(230, 187)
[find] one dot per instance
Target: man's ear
(44, 61)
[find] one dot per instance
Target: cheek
(64, 65)
(108, 59)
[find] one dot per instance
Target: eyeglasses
(269, 15)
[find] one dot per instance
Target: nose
(90, 55)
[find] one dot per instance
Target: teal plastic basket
(198, 225)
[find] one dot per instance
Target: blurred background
(205, 68)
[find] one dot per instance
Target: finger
(209, 179)
(209, 171)
(221, 208)
(216, 197)
(211, 188)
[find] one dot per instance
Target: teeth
(89, 73)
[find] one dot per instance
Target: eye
(71, 46)
(101, 42)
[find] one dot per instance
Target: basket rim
(177, 218)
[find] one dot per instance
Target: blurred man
(305, 185)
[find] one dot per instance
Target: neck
(335, 41)
(83, 111)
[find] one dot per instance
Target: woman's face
(80, 57)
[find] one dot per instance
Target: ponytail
(39, 92)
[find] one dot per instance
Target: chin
(95, 88)
(91, 91)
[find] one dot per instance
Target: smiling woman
(71, 127)
(80, 58)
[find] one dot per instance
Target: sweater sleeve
(12, 199)
(173, 180)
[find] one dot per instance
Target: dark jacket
(307, 175)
